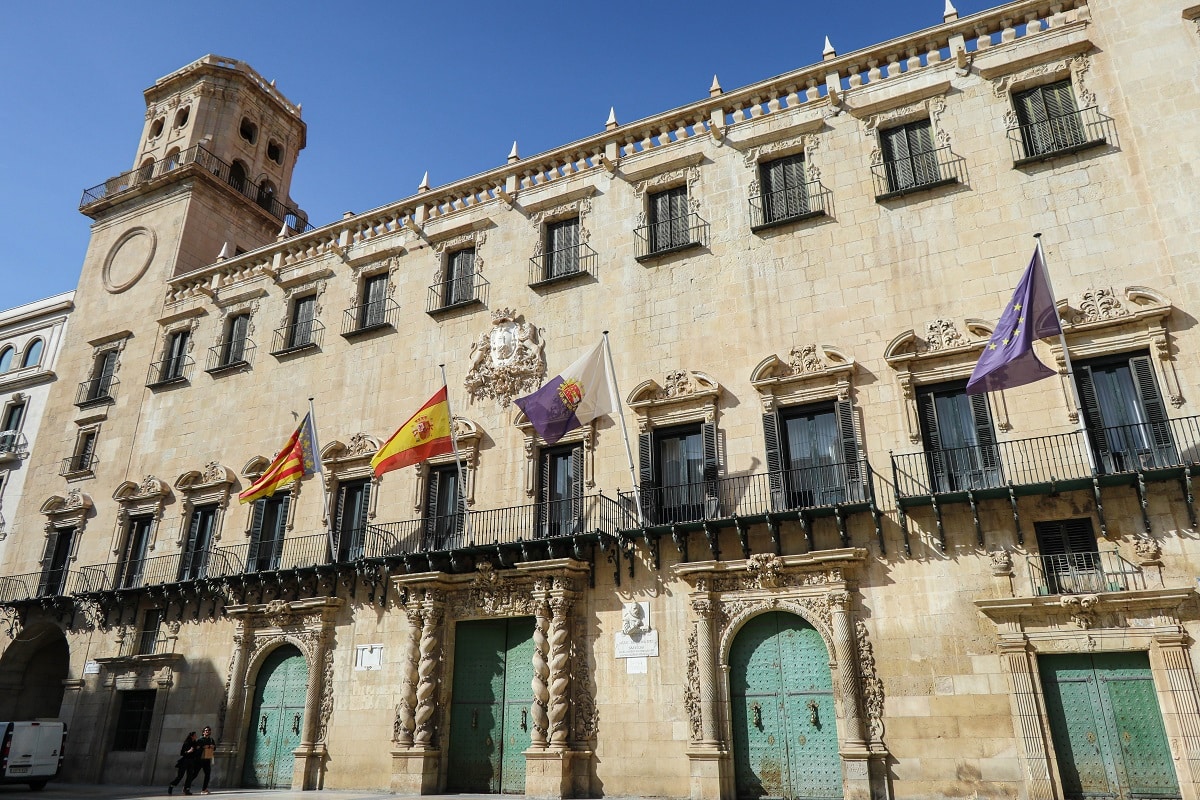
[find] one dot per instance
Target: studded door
(784, 724)
(489, 707)
(277, 720)
(1107, 728)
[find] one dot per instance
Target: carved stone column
(406, 719)
(541, 675)
(707, 666)
(428, 670)
(225, 759)
(560, 673)
(1015, 655)
(847, 659)
(416, 758)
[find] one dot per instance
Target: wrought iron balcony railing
(824, 486)
(560, 265)
(144, 643)
(456, 293)
(78, 464)
(669, 235)
(168, 371)
(915, 173)
(792, 204)
(1060, 135)
(97, 391)
(297, 336)
(370, 317)
(155, 571)
(1083, 573)
(33, 585)
(588, 514)
(272, 555)
(12, 444)
(1050, 460)
(230, 354)
(199, 159)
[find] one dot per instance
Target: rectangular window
(908, 156)
(372, 311)
(133, 558)
(445, 511)
(55, 560)
(300, 332)
(814, 453)
(784, 189)
(1048, 118)
(960, 441)
(100, 386)
(350, 518)
(194, 558)
(560, 491)
(175, 357)
(147, 643)
(679, 481)
(562, 248)
(1125, 415)
(14, 415)
(669, 219)
(233, 349)
(85, 452)
(134, 714)
(267, 528)
(460, 277)
(1069, 556)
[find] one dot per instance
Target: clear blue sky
(389, 89)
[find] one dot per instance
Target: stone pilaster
(1182, 711)
(1015, 655)
(707, 758)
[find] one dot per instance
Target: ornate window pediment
(809, 373)
(685, 396)
(469, 437)
(137, 500)
(70, 509)
(347, 462)
(211, 485)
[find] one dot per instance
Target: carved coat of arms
(506, 361)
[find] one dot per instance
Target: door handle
(813, 713)
(474, 718)
(756, 714)
(296, 724)
(262, 726)
(525, 719)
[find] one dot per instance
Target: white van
(31, 752)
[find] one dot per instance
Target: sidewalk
(82, 791)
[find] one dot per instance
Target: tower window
(156, 128)
(248, 130)
(182, 115)
(275, 151)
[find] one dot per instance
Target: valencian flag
(297, 459)
(1008, 359)
(576, 397)
(425, 434)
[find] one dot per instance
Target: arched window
(33, 354)
(146, 170)
(172, 159)
(6, 357)
(237, 176)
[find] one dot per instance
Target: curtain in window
(960, 441)
(814, 456)
(351, 519)
(172, 367)
(681, 475)
(133, 561)
(106, 366)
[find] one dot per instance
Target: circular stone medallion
(129, 259)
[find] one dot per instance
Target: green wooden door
(277, 719)
(1107, 728)
(784, 723)
(489, 708)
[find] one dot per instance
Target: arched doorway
(785, 741)
(276, 719)
(32, 672)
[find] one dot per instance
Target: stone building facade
(838, 575)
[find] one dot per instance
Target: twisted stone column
(427, 671)
(236, 695)
(560, 672)
(541, 674)
(847, 659)
(707, 668)
(312, 695)
(408, 683)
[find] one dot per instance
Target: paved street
(77, 791)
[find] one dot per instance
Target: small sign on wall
(368, 656)
(91, 668)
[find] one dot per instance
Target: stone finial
(715, 89)
(513, 155)
(950, 13)
(284, 233)
(828, 53)
(226, 251)
(423, 187)
(611, 122)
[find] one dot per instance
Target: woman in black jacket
(188, 755)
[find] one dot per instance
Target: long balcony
(1128, 455)
(142, 573)
(47, 583)
(1083, 573)
(199, 160)
(835, 489)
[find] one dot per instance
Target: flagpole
(462, 482)
(616, 393)
(312, 420)
(1062, 340)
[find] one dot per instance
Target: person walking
(206, 748)
(188, 754)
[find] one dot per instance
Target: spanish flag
(297, 459)
(426, 434)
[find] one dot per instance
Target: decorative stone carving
(1002, 562)
(583, 706)
(1098, 304)
(428, 668)
(326, 696)
(806, 359)
(765, 567)
(279, 614)
(560, 673)
(1081, 607)
(871, 685)
(541, 674)
(506, 361)
(633, 619)
(941, 334)
(361, 444)
(1148, 550)
(689, 176)
(691, 690)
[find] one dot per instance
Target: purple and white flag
(1008, 358)
(576, 397)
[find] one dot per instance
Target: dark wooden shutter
(256, 532)
(1064, 119)
(51, 578)
(1066, 537)
(577, 489)
(849, 440)
(1155, 411)
(897, 159)
(1034, 120)
(302, 320)
(339, 522)
(280, 529)
(646, 478)
(921, 146)
(108, 366)
(1091, 415)
(544, 512)
(189, 546)
(985, 438)
(775, 473)
(712, 486)
(432, 486)
(933, 442)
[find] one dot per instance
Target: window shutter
(256, 531)
(775, 474)
(922, 146)
(985, 435)
(1066, 537)
(189, 546)
(51, 578)
(1091, 413)
(1034, 121)
(933, 442)
(431, 503)
(1156, 412)
(897, 158)
(646, 481)
(339, 520)
(712, 488)
(108, 366)
(577, 489)
(854, 472)
(544, 514)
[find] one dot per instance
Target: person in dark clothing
(205, 748)
(188, 754)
